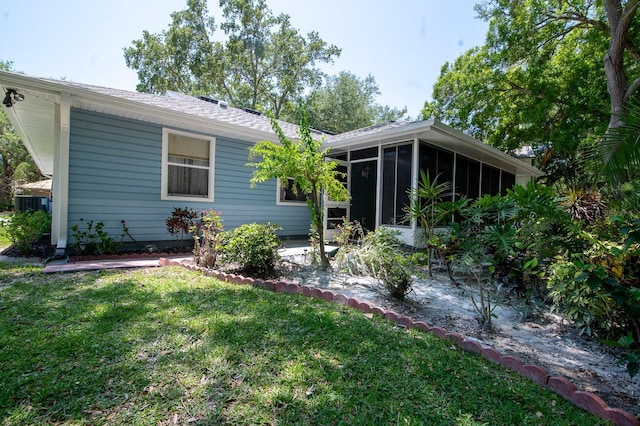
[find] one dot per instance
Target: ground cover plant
(171, 346)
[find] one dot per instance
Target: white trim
(415, 165)
(89, 99)
(379, 162)
(165, 166)
(329, 204)
(426, 130)
(60, 184)
(291, 203)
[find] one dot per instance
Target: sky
(403, 44)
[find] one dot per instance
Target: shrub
(181, 222)
(346, 232)
(576, 291)
(254, 247)
(208, 237)
(26, 228)
(93, 239)
(380, 256)
(518, 233)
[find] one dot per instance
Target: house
(41, 188)
(118, 155)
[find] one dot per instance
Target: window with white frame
(290, 194)
(187, 166)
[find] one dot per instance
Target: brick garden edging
(560, 385)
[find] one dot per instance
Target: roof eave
(152, 112)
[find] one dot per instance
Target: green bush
(380, 256)
(518, 233)
(208, 238)
(253, 247)
(574, 289)
(26, 228)
(91, 238)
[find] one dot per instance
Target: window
(396, 180)
(338, 156)
(490, 180)
(437, 163)
(363, 154)
(187, 166)
(290, 193)
(342, 167)
(507, 181)
(467, 178)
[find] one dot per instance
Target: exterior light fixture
(11, 97)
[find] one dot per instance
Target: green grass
(165, 345)
(5, 239)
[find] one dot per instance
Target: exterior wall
(115, 174)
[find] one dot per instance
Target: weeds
(379, 255)
(91, 238)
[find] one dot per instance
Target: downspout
(60, 184)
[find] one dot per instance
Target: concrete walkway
(293, 250)
(92, 265)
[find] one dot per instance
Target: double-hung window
(289, 193)
(187, 166)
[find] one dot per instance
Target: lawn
(170, 346)
(5, 240)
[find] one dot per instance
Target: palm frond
(618, 152)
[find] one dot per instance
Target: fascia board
(405, 131)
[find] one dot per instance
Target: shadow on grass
(168, 345)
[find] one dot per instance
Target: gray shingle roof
(187, 104)
(371, 130)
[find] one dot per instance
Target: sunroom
(383, 162)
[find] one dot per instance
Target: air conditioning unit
(22, 203)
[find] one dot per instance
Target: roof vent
(251, 111)
(208, 99)
(223, 104)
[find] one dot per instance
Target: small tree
(303, 161)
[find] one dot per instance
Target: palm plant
(619, 149)
(423, 209)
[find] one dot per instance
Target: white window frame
(165, 166)
(289, 203)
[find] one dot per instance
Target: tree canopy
(347, 102)
(550, 73)
(263, 64)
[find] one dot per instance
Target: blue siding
(114, 175)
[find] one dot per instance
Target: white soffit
(33, 120)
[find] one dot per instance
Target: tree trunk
(317, 219)
(5, 183)
(620, 20)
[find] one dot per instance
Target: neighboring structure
(118, 155)
(41, 188)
